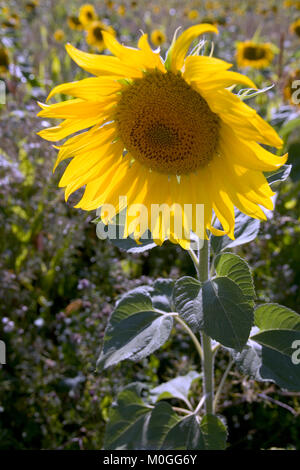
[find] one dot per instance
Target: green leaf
(278, 339)
(289, 127)
(127, 421)
(175, 388)
(279, 175)
(226, 314)
(234, 267)
(280, 369)
(162, 294)
(294, 153)
(279, 327)
(135, 329)
(269, 316)
(134, 425)
(246, 230)
(187, 434)
(162, 419)
(187, 301)
(214, 432)
(249, 360)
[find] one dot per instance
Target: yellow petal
(93, 88)
(75, 109)
(182, 44)
(67, 127)
(102, 65)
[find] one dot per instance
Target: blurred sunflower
(292, 3)
(94, 36)
(59, 35)
(295, 27)
(192, 15)
(75, 23)
(122, 10)
(4, 60)
(251, 54)
(163, 132)
(109, 4)
(158, 37)
(290, 86)
(31, 6)
(87, 14)
(12, 21)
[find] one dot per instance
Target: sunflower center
(166, 125)
(297, 30)
(254, 53)
(98, 33)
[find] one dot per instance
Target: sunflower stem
(207, 352)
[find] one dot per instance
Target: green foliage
(135, 329)
(135, 425)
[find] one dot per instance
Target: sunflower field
(129, 322)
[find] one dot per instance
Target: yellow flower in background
(87, 14)
(4, 60)
(122, 10)
(75, 23)
(109, 4)
(292, 3)
(193, 15)
(59, 35)
(251, 54)
(158, 37)
(163, 133)
(94, 35)
(31, 6)
(133, 4)
(12, 21)
(295, 28)
(291, 88)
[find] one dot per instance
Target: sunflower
(75, 23)
(158, 37)
(59, 35)
(290, 87)
(163, 133)
(94, 35)
(122, 10)
(109, 4)
(295, 28)
(251, 54)
(192, 15)
(31, 6)
(13, 21)
(4, 60)
(87, 14)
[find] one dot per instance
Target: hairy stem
(208, 356)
